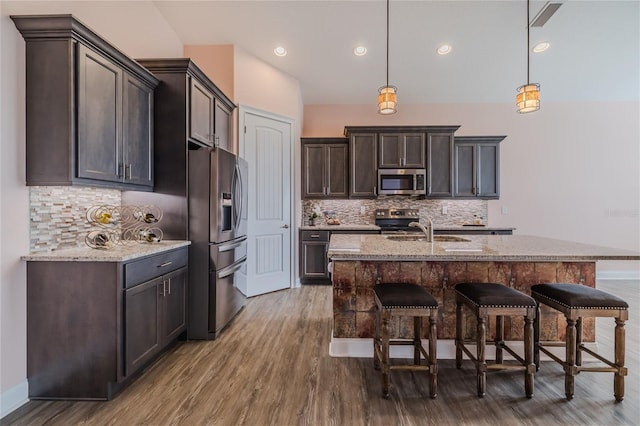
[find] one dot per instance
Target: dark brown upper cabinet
(477, 166)
(89, 108)
(401, 150)
(325, 168)
(189, 106)
(440, 164)
(363, 164)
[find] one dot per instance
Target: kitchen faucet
(428, 233)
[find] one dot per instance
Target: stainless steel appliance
(392, 221)
(217, 230)
(402, 181)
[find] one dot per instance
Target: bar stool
(404, 299)
(486, 299)
(576, 302)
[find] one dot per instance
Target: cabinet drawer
(145, 269)
(315, 235)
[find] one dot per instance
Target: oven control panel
(397, 214)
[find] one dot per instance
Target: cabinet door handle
(169, 285)
(162, 265)
(120, 167)
(164, 287)
(127, 171)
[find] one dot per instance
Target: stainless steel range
(396, 220)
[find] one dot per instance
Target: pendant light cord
(388, 43)
(528, 43)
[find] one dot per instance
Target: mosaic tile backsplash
(361, 212)
(58, 215)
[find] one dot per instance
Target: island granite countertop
(476, 248)
(119, 253)
(443, 228)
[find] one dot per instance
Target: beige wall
(216, 61)
(14, 211)
(140, 32)
(567, 172)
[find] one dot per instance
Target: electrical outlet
(445, 210)
(363, 210)
(505, 210)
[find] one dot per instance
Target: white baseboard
(628, 275)
(14, 398)
(363, 348)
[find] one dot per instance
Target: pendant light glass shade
(528, 98)
(387, 100)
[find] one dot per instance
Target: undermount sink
(436, 238)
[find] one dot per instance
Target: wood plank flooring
(271, 367)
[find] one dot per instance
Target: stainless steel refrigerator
(217, 229)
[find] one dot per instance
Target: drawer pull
(162, 265)
(315, 236)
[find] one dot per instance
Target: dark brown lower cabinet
(313, 257)
(155, 315)
(314, 263)
(92, 325)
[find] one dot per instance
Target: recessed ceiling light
(541, 47)
(360, 51)
(280, 51)
(444, 49)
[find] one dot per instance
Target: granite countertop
(341, 227)
(471, 228)
(347, 227)
(119, 253)
(477, 248)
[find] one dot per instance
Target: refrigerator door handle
(225, 272)
(231, 245)
(237, 186)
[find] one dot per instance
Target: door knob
(285, 226)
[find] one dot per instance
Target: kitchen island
(518, 261)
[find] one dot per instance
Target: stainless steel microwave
(402, 181)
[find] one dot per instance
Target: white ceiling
(594, 54)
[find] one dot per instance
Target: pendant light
(528, 97)
(387, 98)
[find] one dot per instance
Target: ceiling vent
(546, 13)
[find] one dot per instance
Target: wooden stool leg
(499, 340)
(481, 364)
(416, 340)
(536, 339)
(433, 356)
(385, 354)
(578, 341)
(376, 341)
(619, 348)
(528, 356)
(459, 341)
(570, 363)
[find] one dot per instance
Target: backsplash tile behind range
(58, 214)
(350, 211)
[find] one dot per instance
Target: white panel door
(267, 149)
